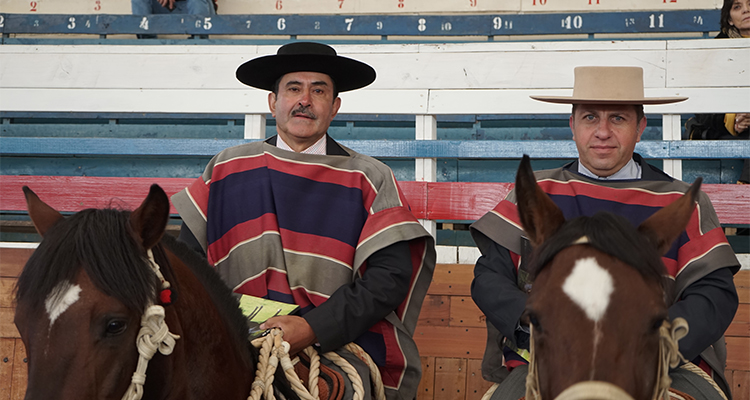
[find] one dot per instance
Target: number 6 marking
(281, 24)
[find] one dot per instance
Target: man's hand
(167, 4)
(741, 122)
(296, 331)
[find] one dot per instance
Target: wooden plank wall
(451, 336)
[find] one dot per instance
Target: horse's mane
(611, 234)
(226, 303)
(102, 243)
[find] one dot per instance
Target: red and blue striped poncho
(295, 227)
(700, 250)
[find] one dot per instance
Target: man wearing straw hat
(607, 121)
(299, 218)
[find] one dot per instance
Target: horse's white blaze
(590, 287)
(60, 298)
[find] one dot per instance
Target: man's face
(304, 108)
(606, 135)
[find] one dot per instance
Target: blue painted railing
(463, 149)
(383, 25)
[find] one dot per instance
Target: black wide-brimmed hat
(347, 74)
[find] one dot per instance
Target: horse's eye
(657, 323)
(530, 318)
(534, 321)
(116, 327)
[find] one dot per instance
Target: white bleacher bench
(423, 80)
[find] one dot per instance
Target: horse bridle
(154, 335)
(669, 357)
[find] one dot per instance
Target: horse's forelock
(610, 234)
(100, 242)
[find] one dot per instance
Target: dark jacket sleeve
(356, 307)
(186, 236)
(495, 291)
(708, 305)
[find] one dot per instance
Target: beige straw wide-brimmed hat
(608, 85)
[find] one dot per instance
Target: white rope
(351, 372)
(593, 390)
(375, 377)
(698, 371)
(490, 391)
(669, 354)
(273, 350)
(154, 335)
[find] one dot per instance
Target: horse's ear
(540, 216)
(42, 215)
(667, 224)
(150, 219)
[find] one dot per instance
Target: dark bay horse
(81, 297)
(598, 308)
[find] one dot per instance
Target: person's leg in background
(200, 7)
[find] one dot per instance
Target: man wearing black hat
(298, 218)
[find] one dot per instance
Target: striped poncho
(295, 227)
(700, 250)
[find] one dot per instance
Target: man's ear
(572, 124)
(272, 103)
(641, 127)
(336, 106)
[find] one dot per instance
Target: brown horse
(82, 295)
(597, 305)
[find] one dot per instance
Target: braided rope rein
(154, 335)
(274, 350)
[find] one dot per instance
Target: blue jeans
(148, 7)
(197, 7)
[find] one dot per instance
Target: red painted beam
(434, 200)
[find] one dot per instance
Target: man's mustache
(304, 111)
